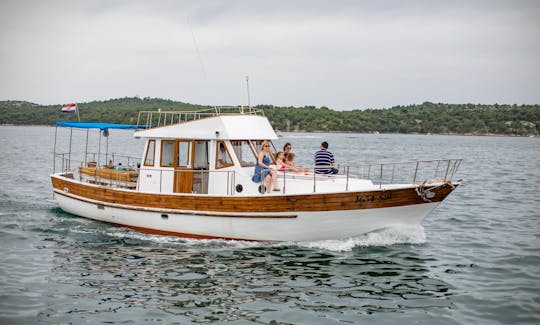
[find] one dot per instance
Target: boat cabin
(212, 155)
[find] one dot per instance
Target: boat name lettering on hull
(383, 196)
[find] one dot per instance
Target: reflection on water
(216, 280)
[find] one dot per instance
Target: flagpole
(78, 116)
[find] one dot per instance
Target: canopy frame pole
(107, 150)
(86, 148)
(54, 150)
(69, 154)
(99, 150)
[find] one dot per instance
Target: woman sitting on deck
(263, 171)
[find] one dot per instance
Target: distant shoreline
(426, 118)
(349, 132)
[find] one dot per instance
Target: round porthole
(66, 190)
(262, 189)
(239, 188)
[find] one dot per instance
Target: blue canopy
(97, 125)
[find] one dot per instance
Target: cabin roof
(223, 127)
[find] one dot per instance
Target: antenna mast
(248, 96)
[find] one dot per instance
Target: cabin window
(257, 144)
(243, 151)
(200, 155)
(183, 154)
(150, 153)
(223, 158)
(167, 153)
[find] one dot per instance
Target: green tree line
(435, 118)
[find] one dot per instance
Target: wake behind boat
(195, 179)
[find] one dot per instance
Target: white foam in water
(385, 237)
(131, 234)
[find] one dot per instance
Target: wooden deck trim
(293, 203)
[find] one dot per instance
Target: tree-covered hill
(522, 120)
(120, 110)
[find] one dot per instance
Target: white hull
(307, 226)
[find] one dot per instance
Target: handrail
(415, 173)
(151, 119)
(92, 159)
(69, 163)
(422, 170)
(436, 168)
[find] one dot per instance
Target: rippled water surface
(475, 260)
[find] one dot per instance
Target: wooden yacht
(182, 184)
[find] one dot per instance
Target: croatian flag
(69, 108)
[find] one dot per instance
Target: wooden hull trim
(176, 211)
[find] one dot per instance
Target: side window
(150, 153)
(257, 146)
(167, 153)
(243, 151)
(184, 154)
(223, 158)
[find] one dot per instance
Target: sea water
(476, 259)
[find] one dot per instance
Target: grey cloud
(344, 54)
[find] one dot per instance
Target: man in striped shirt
(324, 161)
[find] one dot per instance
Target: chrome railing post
(314, 179)
(437, 169)
(380, 177)
(457, 164)
(284, 179)
(447, 168)
(415, 171)
(347, 181)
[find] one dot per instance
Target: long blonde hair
(265, 143)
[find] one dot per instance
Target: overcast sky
(340, 54)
